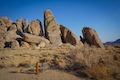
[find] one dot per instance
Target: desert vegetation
(88, 63)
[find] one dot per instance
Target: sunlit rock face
(52, 30)
(91, 37)
(25, 28)
(69, 37)
(35, 28)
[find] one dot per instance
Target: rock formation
(25, 44)
(2, 43)
(69, 37)
(12, 27)
(33, 38)
(19, 24)
(15, 44)
(41, 44)
(25, 29)
(6, 21)
(91, 37)
(10, 36)
(52, 30)
(22, 34)
(4, 24)
(35, 28)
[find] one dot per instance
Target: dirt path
(8, 74)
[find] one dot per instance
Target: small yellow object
(36, 68)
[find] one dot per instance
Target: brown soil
(9, 74)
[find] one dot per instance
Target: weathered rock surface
(41, 44)
(2, 43)
(69, 37)
(52, 30)
(34, 38)
(3, 27)
(12, 27)
(35, 28)
(91, 37)
(33, 45)
(1, 36)
(25, 44)
(15, 44)
(25, 29)
(19, 24)
(7, 21)
(10, 36)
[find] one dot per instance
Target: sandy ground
(10, 74)
(10, 56)
(10, 59)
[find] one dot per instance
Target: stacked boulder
(19, 26)
(21, 34)
(8, 33)
(35, 40)
(35, 28)
(18, 34)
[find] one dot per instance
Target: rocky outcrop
(2, 43)
(91, 37)
(7, 32)
(25, 44)
(25, 29)
(19, 27)
(41, 44)
(69, 37)
(12, 27)
(23, 34)
(35, 28)
(34, 38)
(15, 44)
(19, 24)
(10, 36)
(6, 21)
(4, 24)
(52, 30)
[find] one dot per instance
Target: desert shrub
(85, 56)
(116, 76)
(25, 65)
(116, 57)
(92, 62)
(2, 66)
(99, 72)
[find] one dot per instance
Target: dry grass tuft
(99, 72)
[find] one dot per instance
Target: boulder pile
(22, 34)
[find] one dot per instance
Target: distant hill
(113, 42)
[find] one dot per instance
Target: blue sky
(101, 15)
